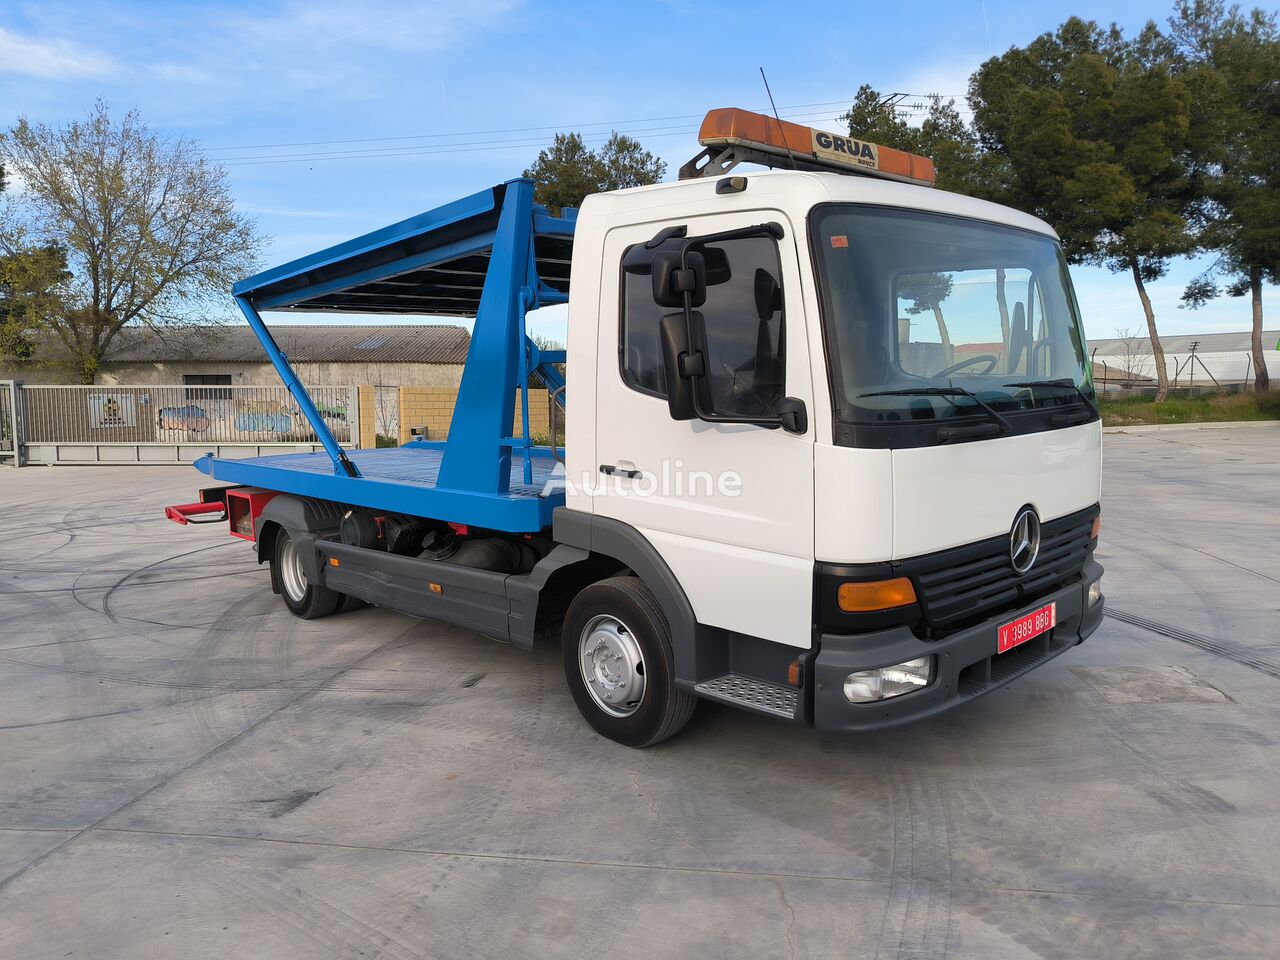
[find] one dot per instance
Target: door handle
(609, 469)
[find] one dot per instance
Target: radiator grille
(967, 584)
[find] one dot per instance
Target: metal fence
(180, 414)
(1189, 373)
(168, 423)
(8, 423)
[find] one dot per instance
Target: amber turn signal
(877, 595)
(1096, 528)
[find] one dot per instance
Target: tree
(29, 281)
(147, 225)
(29, 278)
(927, 291)
(872, 117)
(943, 136)
(962, 167)
(1231, 62)
(1090, 131)
(567, 171)
(1135, 353)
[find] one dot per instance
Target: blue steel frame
(473, 483)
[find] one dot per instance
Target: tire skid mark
(243, 618)
(1211, 556)
(263, 899)
(243, 734)
(1081, 934)
(71, 538)
(1199, 642)
(75, 719)
(57, 643)
(1221, 623)
(133, 578)
(33, 530)
(917, 916)
(300, 907)
(106, 597)
(141, 583)
(230, 687)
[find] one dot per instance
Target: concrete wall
(432, 407)
(251, 374)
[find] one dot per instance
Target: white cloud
(53, 59)
(196, 65)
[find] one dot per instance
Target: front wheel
(303, 598)
(616, 649)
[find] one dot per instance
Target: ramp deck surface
(405, 480)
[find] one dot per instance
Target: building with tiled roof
(429, 355)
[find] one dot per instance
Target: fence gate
(10, 449)
(172, 423)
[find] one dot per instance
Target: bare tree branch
(147, 224)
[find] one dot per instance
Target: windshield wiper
(986, 408)
(1062, 382)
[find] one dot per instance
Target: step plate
(770, 698)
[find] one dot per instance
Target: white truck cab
(832, 452)
(882, 299)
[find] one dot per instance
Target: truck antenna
(781, 132)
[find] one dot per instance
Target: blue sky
(435, 100)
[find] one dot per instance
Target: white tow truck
(831, 451)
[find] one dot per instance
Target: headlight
(868, 686)
(1095, 593)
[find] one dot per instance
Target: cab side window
(744, 320)
(639, 345)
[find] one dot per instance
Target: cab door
(728, 506)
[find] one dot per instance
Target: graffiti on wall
(191, 418)
(110, 410)
(263, 416)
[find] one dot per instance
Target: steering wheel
(990, 359)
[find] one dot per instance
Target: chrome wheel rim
(293, 579)
(612, 665)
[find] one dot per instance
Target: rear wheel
(303, 598)
(350, 603)
(616, 650)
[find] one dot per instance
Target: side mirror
(671, 281)
(768, 294)
(792, 415)
(678, 366)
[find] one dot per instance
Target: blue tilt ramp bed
(492, 256)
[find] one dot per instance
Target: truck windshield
(915, 302)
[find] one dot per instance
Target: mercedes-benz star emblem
(1024, 540)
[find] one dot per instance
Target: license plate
(1024, 628)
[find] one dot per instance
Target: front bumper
(966, 664)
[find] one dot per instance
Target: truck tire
(350, 603)
(616, 649)
(303, 598)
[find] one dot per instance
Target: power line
(479, 133)
(447, 143)
(414, 152)
(463, 146)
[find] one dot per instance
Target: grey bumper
(966, 664)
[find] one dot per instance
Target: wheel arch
(305, 519)
(611, 545)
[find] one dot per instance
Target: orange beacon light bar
(739, 135)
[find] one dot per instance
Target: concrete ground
(188, 771)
